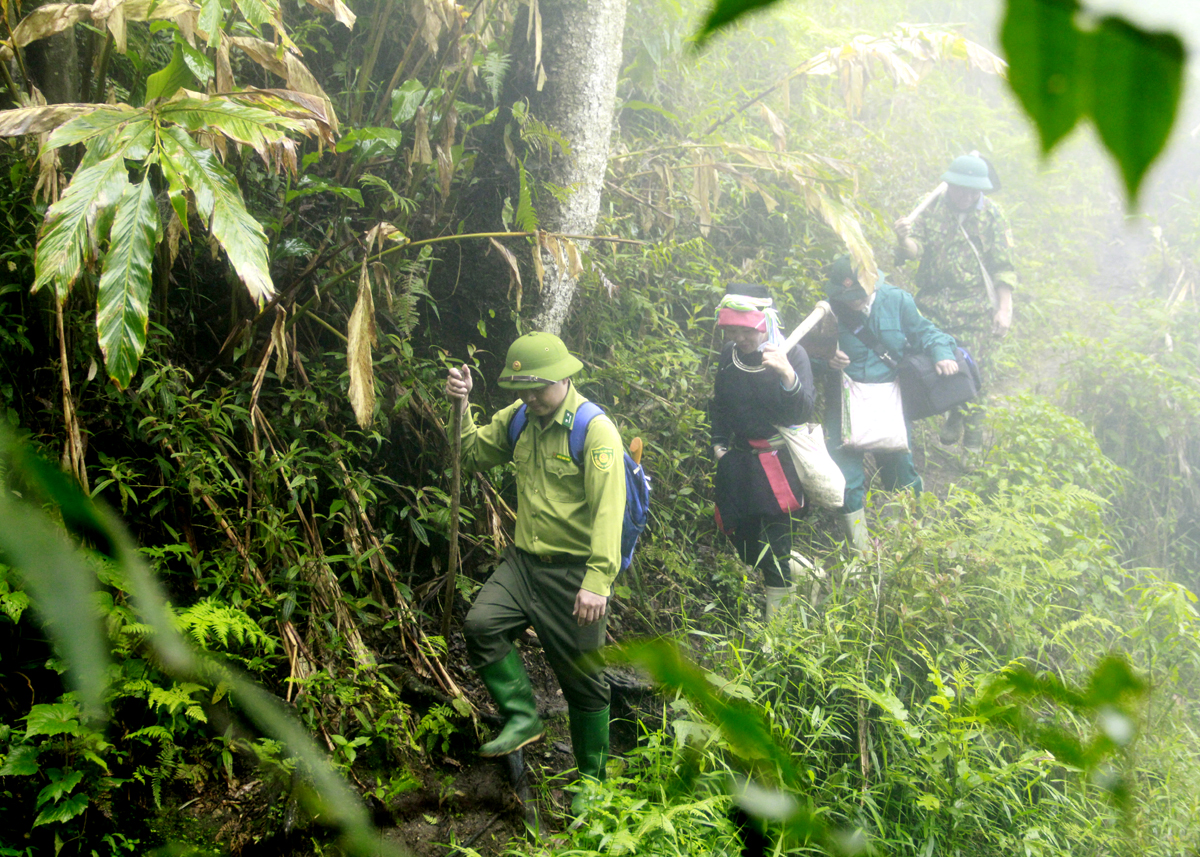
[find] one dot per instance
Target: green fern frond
(209, 621)
(157, 733)
(525, 218)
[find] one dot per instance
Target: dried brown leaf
(421, 153)
(279, 338)
(39, 119)
(360, 337)
(429, 21)
(285, 64)
(574, 259)
(778, 131)
(174, 231)
(449, 128)
(338, 9)
(445, 168)
(514, 270)
(48, 20)
(224, 71)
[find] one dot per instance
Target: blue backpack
(637, 483)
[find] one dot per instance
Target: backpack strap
(583, 418)
(868, 338)
(516, 425)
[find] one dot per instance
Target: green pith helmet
(535, 360)
(838, 272)
(968, 171)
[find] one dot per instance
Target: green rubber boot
(973, 430)
(776, 598)
(952, 429)
(854, 529)
(509, 685)
(589, 739)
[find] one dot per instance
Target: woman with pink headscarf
(758, 387)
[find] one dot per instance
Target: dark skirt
(753, 485)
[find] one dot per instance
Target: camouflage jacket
(949, 286)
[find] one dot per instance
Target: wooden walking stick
(455, 490)
(814, 318)
(912, 216)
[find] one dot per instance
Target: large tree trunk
(581, 56)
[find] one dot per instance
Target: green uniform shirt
(562, 508)
(950, 286)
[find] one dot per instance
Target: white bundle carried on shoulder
(823, 481)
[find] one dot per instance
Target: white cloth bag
(873, 416)
(823, 481)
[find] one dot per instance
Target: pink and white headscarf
(756, 313)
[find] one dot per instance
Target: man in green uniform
(567, 550)
(966, 278)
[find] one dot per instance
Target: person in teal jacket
(890, 318)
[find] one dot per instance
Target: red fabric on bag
(769, 460)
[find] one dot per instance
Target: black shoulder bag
(924, 391)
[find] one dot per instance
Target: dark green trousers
(524, 592)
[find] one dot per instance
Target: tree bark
(54, 64)
(581, 57)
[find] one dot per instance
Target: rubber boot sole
(492, 754)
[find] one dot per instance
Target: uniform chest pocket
(564, 479)
(892, 336)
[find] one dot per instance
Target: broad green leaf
(407, 98)
(58, 718)
(1127, 79)
(99, 122)
(311, 184)
(1136, 90)
(198, 63)
(69, 236)
(123, 299)
(220, 204)
(64, 811)
(133, 141)
(387, 138)
(21, 762)
(45, 483)
(725, 12)
(211, 21)
(256, 12)
(251, 126)
(1047, 59)
(170, 78)
(59, 786)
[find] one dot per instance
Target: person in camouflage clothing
(966, 278)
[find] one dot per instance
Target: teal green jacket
(899, 325)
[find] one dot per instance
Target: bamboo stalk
(73, 449)
(379, 22)
(102, 70)
(455, 492)
(383, 100)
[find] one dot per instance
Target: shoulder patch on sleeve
(602, 458)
